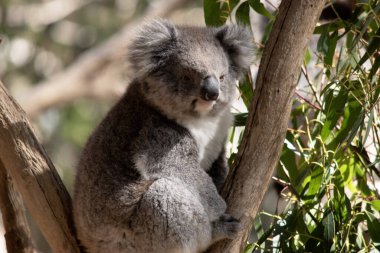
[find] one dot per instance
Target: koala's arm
(219, 169)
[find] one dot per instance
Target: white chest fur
(210, 135)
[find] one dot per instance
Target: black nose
(210, 88)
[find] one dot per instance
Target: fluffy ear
(237, 42)
(152, 46)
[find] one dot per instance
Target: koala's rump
(172, 215)
(168, 218)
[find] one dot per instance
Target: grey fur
(145, 179)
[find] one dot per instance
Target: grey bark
(17, 234)
(266, 126)
(35, 176)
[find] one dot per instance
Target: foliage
(330, 164)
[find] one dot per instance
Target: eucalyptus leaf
(260, 8)
(242, 14)
(373, 228)
(215, 12)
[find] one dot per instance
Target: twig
(317, 107)
(304, 71)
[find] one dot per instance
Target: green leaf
(347, 170)
(373, 228)
(242, 14)
(375, 204)
(264, 236)
(352, 118)
(377, 90)
(233, 4)
(249, 248)
(362, 185)
(329, 226)
(333, 108)
(359, 217)
(307, 56)
(240, 119)
(315, 181)
(341, 204)
(215, 12)
(246, 91)
(323, 42)
(363, 27)
(315, 242)
(329, 27)
(375, 67)
(288, 162)
(350, 40)
(260, 8)
(373, 46)
(331, 44)
(369, 124)
(326, 46)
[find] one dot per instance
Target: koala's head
(190, 71)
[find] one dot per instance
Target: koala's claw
(232, 226)
(226, 227)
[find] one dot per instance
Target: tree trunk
(267, 123)
(17, 234)
(35, 177)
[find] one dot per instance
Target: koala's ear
(237, 42)
(151, 46)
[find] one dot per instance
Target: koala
(148, 177)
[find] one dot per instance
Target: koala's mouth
(202, 106)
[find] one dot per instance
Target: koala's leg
(219, 170)
(170, 218)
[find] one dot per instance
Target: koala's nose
(210, 88)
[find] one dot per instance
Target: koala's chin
(203, 107)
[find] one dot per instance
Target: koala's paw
(226, 227)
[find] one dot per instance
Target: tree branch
(269, 115)
(87, 76)
(35, 177)
(17, 234)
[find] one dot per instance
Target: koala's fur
(148, 177)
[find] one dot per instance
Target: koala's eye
(221, 78)
(186, 78)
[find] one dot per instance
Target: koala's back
(139, 177)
